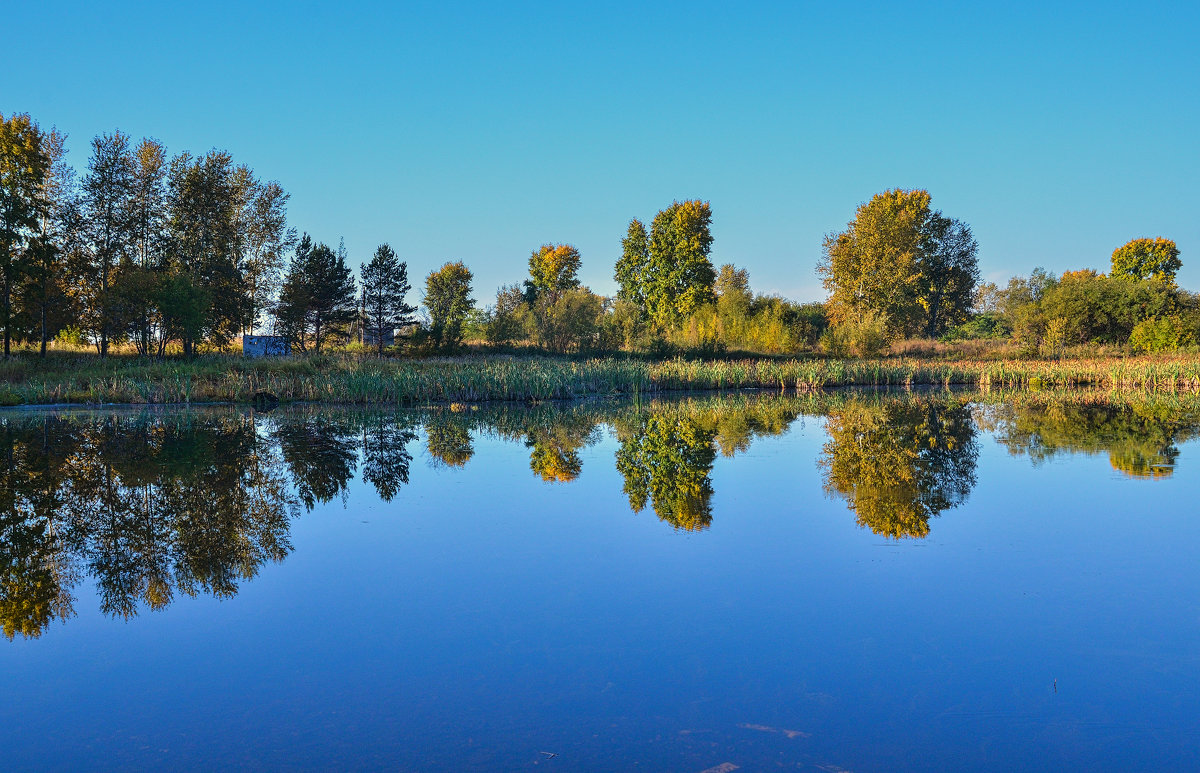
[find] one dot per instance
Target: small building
(265, 346)
(369, 338)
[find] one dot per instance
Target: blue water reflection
(826, 582)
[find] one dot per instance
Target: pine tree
(317, 295)
(384, 285)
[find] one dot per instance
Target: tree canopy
(1147, 259)
(902, 259)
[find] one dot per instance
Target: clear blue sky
(477, 132)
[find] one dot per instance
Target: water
(843, 582)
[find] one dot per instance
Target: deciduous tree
(24, 166)
(1147, 258)
(448, 299)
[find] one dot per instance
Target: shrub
(1160, 334)
(866, 337)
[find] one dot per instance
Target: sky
(477, 132)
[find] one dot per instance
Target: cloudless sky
(480, 131)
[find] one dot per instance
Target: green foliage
(900, 258)
(1146, 259)
(553, 269)
(865, 337)
(24, 168)
(448, 299)
(632, 269)
(1161, 334)
(506, 319)
(317, 302)
(571, 322)
(384, 286)
(989, 325)
(679, 276)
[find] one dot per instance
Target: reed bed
(346, 379)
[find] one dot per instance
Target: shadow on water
(153, 504)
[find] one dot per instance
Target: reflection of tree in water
(147, 507)
(667, 452)
(448, 441)
(321, 451)
(666, 458)
(1140, 435)
(554, 454)
(386, 458)
(900, 461)
(154, 506)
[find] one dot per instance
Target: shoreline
(73, 380)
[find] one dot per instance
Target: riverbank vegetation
(357, 379)
(156, 254)
(157, 264)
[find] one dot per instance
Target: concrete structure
(369, 339)
(265, 346)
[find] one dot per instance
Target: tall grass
(85, 378)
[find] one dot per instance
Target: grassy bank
(85, 378)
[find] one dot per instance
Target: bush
(988, 325)
(1160, 334)
(866, 337)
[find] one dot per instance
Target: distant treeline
(160, 253)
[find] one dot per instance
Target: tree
(448, 299)
(264, 239)
(901, 259)
(24, 165)
(872, 265)
(148, 223)
(949, 272)
(1147, 258)
(553, 269)
(504, 320)
(108, 206)
(317, 295)
(680, 276)
(384, 285)
(633, 267)
(44, 296)
(570, 322)
(205, 204)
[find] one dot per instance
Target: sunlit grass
(85, 378)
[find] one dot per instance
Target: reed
(348, 379)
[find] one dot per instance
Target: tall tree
(1147, 258)
(448, 300)
(317, 298)
(902, 259)
(24, 165)
(553, 269)
(56, 237)
(148, 229)
(108, 207)
(384, 285)
(680, 273)
(949, 273)
(205, 201)
(634, 265)
(264, 239)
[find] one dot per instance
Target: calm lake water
(847, 582)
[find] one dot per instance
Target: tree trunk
(7, 316)
(45, 335)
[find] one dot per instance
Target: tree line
(154, 251)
